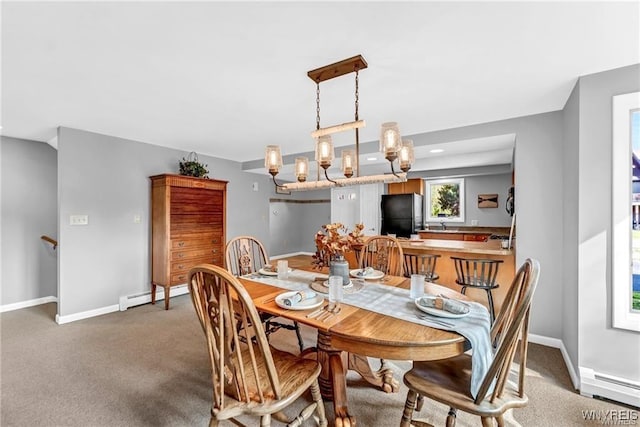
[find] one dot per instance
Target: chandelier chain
(357, 93)
(317, 105)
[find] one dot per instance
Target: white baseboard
(292, 254)
(29, 303)
(124, 303)
(609, 387)
(61, 320)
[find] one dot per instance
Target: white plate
(375, 275)
(270, 273)
(436, 312)
(302, 305)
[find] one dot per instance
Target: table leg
(333, 384)
(153, 293)
(382, 378)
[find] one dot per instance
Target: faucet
(444, 227)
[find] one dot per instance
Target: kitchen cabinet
(454, 235)
(415, 185)
(188, 227)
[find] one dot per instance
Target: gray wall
(29, 210)
(107, 178)
(486, 217)
(570, 215)
(601, 347)
(294, 225)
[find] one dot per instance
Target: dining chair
(478, 274)
(245, 255)
(248, 376)
(448, 381)
(421, 264)
(383, 253)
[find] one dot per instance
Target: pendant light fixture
(391, 143)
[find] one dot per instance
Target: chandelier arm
(275, 183)
(329, 179)
(393, 170)
(357, 162)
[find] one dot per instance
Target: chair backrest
(244, 372)
(244, 255)
(383, 253)
(510, 332)
(420, 264)
(476, 272)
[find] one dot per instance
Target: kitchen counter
(490, 247)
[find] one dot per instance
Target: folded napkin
(297, 297)
(365, 272)
(446, 304)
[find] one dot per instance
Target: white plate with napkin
(299, 300)
(367, 273)
(448, 307)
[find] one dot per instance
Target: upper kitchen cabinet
(415, 185)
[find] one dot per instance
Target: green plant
(190, 166)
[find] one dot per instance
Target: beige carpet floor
(148, 367)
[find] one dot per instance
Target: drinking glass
(417, 286)
(283, 269)
(335, 292)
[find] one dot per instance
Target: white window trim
(460, 182)
(623, 316)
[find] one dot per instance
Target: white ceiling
(226, 79)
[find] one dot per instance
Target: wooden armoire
(188, 218)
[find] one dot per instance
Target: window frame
(429, 183)
(623, 316)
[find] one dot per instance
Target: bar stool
(421, 264)
(478, 274)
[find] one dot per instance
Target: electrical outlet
(79, 220)
(137, 219)
(474, 222)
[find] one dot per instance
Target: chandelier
(391, 143)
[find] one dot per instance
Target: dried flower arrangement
(331, 244)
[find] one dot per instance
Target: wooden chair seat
(296, 376)
(449, 380)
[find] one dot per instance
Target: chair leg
(419, 402)
(463, 290)
(265, 420)
(451, 418)
(213, 422)
(317, 398)
(299, 335)
(500, 420)
(487, 422)
(492, 314)
(409, 405)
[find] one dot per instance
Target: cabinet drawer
(195, 200)
(440, 236)
(180, 270)
(190, 242)
(186, 265)
(177, 255)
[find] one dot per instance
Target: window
(445, 200)
(626, 211)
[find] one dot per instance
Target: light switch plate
(79, 220)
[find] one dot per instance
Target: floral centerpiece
(333, 241)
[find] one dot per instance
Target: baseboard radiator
(610, 387)
(127, 301)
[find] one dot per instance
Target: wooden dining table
(346, 339)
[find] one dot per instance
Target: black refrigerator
(401, 214)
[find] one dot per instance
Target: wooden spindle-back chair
(421, 264)
(248, 375)
(448, 381)
(245, 255)
(384, 254)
